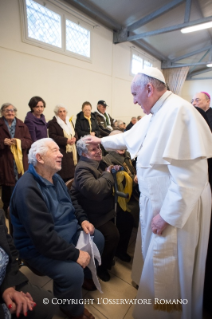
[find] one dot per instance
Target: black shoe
(123, 256)
(103, 274)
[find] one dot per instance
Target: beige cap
(154, 73)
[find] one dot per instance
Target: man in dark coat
(104, 120)
(15, 281)
(202, 100)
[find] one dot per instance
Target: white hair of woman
(82, 146)
(5, 105)
(38, 147)
(119, 122)
(58, 106)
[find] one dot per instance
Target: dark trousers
(6, 195)
(68, 277)
(116, 236)
(41, 310)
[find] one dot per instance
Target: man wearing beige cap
(172, 144)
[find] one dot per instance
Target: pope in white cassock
(172, 144)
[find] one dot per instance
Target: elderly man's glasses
(9, 110)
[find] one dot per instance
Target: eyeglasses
(9, 110)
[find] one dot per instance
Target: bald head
(201, 100)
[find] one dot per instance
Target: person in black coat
(61, 130)
(86, 123)
(17, 295)
(93, 189)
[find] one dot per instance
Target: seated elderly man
(47, 227)
(93, 188)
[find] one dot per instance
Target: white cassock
(172, 145)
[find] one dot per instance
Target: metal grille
(137, 64)
(43, 24)
(77, 39)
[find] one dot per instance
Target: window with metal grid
(137, 64)
(77, 39)
(147, 64)
(43, 24)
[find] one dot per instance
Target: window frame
(141, 55)
(65, 14)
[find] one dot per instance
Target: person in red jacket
(13, 133)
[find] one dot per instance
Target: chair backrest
(69, 183)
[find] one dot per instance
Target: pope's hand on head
(92, 139)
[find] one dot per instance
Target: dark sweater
(93, 189)
(82, 126)
(44, 218)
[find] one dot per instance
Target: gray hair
(58, 106)
(143, 79)
(82, 146)
(133, 118)
(5, 105)
(119, 122)
(38, 147)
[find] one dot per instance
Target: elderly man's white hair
(38, 147)
(58, 106)
(142, 79)
(82, 146)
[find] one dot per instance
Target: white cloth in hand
(85, 243)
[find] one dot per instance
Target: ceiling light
(209, 65)
(197, 27)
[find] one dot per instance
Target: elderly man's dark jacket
(93, 189)
(102, 124)
(7, 176)
(36, 230)
(13, 276)
(82, 126)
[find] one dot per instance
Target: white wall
(190, 88)
(28, 70)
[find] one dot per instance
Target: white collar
(156, 107)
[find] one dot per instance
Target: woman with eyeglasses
(15, 141)
(35, 120)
